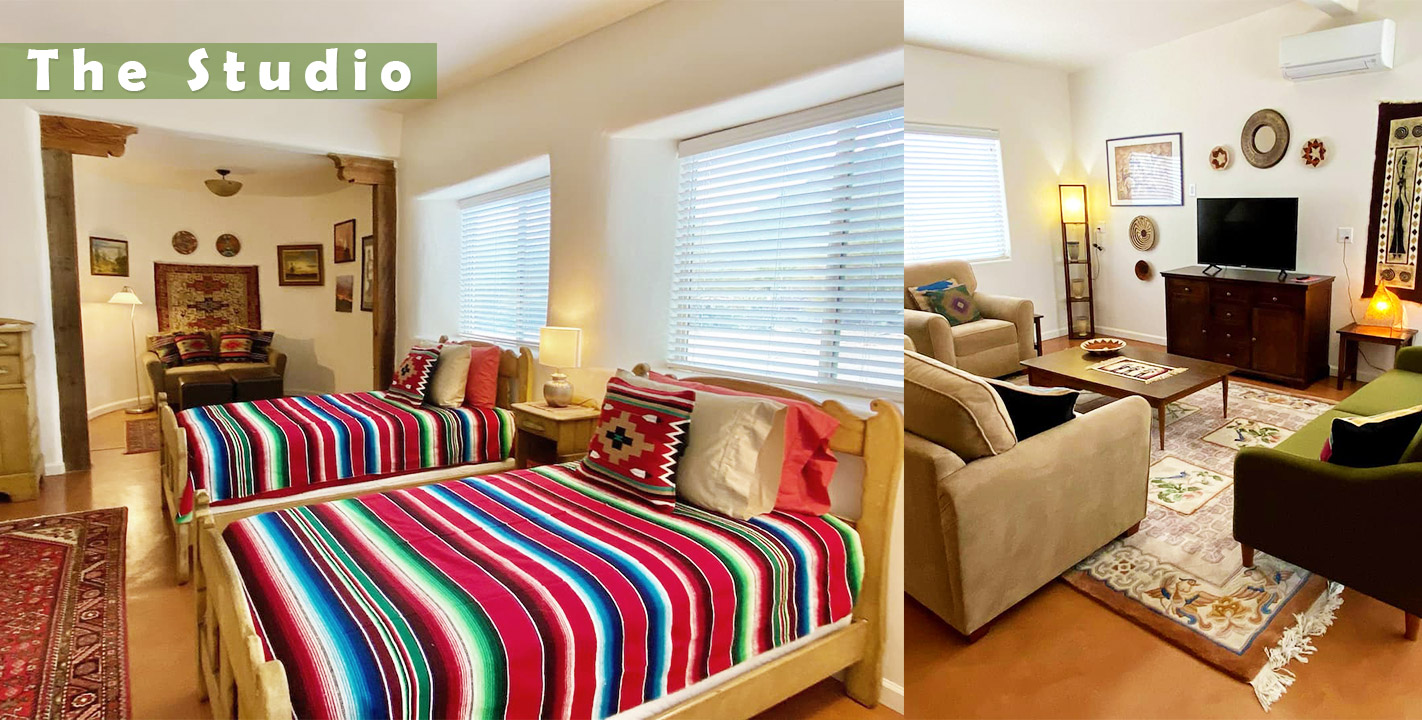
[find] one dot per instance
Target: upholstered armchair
(990, 347)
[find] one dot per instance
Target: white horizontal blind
(503, 264)
(789, 257)
(954, 197)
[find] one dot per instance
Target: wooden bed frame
(515, 384)
(239, 682)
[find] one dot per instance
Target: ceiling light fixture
(222, 187)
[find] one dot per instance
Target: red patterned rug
(63, 641)
(206, 297)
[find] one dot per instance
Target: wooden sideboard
(1252, 320)
(21, 465)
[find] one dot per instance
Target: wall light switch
(1345, 235)
(1100, 232)
(1192, 189)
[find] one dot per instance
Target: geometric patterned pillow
(955, 303)
(235, 347)
(261, 343)
(166, 348)
(917, 294)
(412, 378)
(639, 439)
(195, 348)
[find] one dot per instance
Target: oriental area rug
(1182, 576)
(63, 641)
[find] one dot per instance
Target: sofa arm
(1017, 311)
(931, 335)
(931, 568)
(153, 368)
(277, 359)
(1409, 359)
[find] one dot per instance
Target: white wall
(1205, 86)
(328, 351)
(1031, 110)
(310, 125)
(592, 107)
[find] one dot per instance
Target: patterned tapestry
(1397, 186)
(206, 297)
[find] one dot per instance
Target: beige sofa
(165, 379)
(982, 534)
(990, 347)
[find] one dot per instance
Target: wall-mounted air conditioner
(1365, 47)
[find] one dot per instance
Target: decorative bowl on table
(1103, 346)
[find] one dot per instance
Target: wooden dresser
(21, 465)
(1251, 320)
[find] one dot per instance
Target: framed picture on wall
(1145, 170)
(367, 273)
(108, 257)
(301, 265)
(345, 238)
(345, 292)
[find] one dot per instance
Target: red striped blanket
(270, 448)
(532, 593)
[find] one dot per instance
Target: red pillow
(482, 387)
(412, 378)
(639, 438)
(809, 464)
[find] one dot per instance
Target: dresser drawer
(10, 343)
(1223, 334)
(1231, 351)
(1230, 292)
(1229, 313)
(12, 372)
(1283, 297)
(536, 425)
(1187, 290)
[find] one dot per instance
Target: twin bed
(535, 593)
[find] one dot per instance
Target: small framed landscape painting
(108, 257)
(1145, 170)
(345, 241)
(301, 265)
(345, 292)
(367, 273)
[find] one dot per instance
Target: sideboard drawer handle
(1187, 289)
(4, 344)
(1228, 335)
(1274, 299)
(4, 371)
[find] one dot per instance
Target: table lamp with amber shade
(1384, 309)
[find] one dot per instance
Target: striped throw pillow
(195, 348)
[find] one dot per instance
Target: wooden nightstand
(548, 435)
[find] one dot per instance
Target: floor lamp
(127, 297)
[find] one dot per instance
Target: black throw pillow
(1035, 409)
(1371, 441)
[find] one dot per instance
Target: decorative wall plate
(1143, 270)
(184, 242)
(1143, 233)
(1257, 129)
(1219, 157)
(1313, 152)
(228, 245)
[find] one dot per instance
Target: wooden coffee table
(1072, 368)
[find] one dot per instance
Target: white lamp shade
(125, 297)
(560, 347)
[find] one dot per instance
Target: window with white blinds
(953, 195)
(789, 251)
(503, 264)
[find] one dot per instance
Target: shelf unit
(1075, 218)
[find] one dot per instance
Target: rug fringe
(1296, 644)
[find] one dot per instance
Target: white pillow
(450, 376)
(735, 449)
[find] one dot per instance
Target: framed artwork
(108, 257)
(367, 273)
(1145, 170)
(345, 238)
(301, 265)
(1395, 214)
(345, 292)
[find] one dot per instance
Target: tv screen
(1248, 232)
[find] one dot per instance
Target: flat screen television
(1248, 232)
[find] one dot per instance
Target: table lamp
(559, 348)
(1384, 309)
(127, 297)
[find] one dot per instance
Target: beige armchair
(991, 347)
(983, 534)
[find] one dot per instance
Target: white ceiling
(1065, 34)
(477, 38)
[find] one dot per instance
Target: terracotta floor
(1059, 654)
(162, 650)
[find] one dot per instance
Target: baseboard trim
(1130, 335)
(892, 696)
(107, 408)
(55, 469)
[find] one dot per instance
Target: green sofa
(1356, 526)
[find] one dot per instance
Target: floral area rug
(1182, 576)
(63, 642)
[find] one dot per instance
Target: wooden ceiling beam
(84, 137)
(363, 170)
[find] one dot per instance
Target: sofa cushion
(261, 343)
(1371, 440)
(954, 302)
(246, 369)
(1035, 409)
(1308, 440)
(195, 347)
(954, 409)
(1393, 390)
(234, 347)
(986, 334)
(166, 348)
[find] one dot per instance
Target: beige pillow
(735, 450)
(955, 409)
(450, 375)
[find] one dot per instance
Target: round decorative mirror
(1265, 138)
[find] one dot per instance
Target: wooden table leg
(1160, 411)
(1037, 324)
(1342, 360)
(1224, 400)
(1353, 351)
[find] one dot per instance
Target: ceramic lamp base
(558, 392)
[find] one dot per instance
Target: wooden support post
(380, 175)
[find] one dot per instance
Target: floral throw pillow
(412, 378)
(166, 348)
(948, 298)
(639, 439)
(195, 348)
